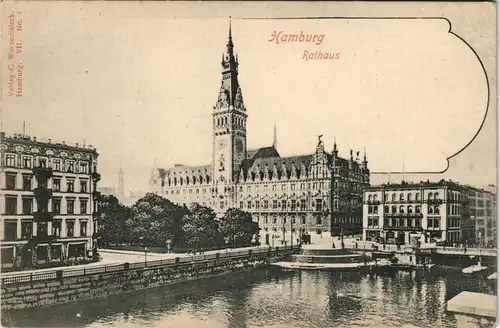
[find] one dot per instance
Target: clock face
(222, 144)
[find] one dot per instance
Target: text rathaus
(319, 193)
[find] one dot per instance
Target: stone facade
(317, 193)
(406, 213)
(48, 202)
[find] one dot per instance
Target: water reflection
(270, 298)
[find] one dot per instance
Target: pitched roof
(263, 152)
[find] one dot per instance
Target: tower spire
(275, 137)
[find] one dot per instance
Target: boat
(474, 269)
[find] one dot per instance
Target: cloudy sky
(138, 81)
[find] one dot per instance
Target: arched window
(436, 195)
(169, 182)
(369, 198)
(207, 179)
(401, 209)
(187, 180)
(430, 210)
(401, 197)
(436, 210)
(409, 197)
(393, 197)
(218, 121)
(225, 120)
(386, 209)
(175, 181)
(410, 209)
(194, 180)
(370, 209)
(417, 196)
(374, 198)
(429, 196)
(386, 197)
(417, 209)
(394, 209)
(181, 180)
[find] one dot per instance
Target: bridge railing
(184, 260)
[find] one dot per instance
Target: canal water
(272, 299)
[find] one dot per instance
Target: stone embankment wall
(66, 289)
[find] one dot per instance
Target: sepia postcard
(248, 164)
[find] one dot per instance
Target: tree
(238, 227)
(200, 227)
(112, 223)
(155, 220)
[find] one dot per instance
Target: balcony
(373, 202)
(43, 216)
(42, 174)
(434, 201)
(96, 176)
(42, 194)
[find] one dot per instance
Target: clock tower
(229, 124)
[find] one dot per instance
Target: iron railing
(177, 261)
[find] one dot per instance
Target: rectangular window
(56, 185)
(257, 189)
(83, 168)
(266, 188)
(302, 204)
(266, 204)
(70, 228)
(70, 206)
(249, 204)
(56, 228)
(275, 204)
(83, 206)
(241, 204)
(42, 162)
(319, 205)
(10, 230)
(10, 160)
(221, 205)
(71, 166)
(27, 205)
(71, 185)
(257, 205)
(83, 185)
(275, 220)
(57, 164)
(10, 181)
(26, 229)
(283, 204)
(27, 162)
(56, 205)
(83, 228)
(275, 187)
(293, 204)
(10, 205)
(26, 182)
(283, 187)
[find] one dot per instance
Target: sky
(138, 81)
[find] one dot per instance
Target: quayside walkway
(116, 260)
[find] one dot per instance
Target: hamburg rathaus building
(320, 193)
